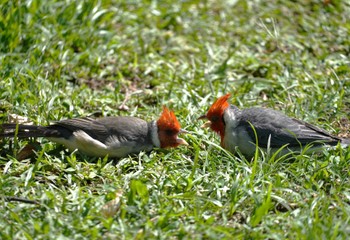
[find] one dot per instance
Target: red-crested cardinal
(112, 136)
(273, 129)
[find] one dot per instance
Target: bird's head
(215, 115)
(168, 130)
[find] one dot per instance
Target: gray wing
(103, 129)
(281, 129)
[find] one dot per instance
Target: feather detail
(216, 113)
(168, 120)
(219, 106)
(168, 129)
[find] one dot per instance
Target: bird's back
(282, 129)
(123, 127)
(274, 130)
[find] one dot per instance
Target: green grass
(64, 59)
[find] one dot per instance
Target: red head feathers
(218, 107)
(168, 129)
(168, 120)
(215, 115)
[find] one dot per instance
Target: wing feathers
(282, 130)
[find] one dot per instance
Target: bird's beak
(206, 125)
(181, 141)
(183, 131)
(202, 117)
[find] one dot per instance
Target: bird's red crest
(168, 120)
(219, 106)
(215, 115)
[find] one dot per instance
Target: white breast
(236, 137)
(85, 143)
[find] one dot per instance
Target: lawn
(65, 59)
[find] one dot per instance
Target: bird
(266, 128)
(117, 136)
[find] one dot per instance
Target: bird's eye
(214, 119)
(169, 132)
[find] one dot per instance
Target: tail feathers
(25, 131)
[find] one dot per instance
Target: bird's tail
(25, 131)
